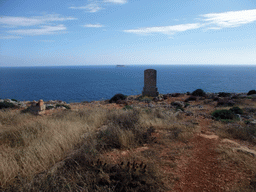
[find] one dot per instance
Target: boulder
(178, 104)
(246, 151)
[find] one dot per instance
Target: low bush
(27, 110)
(14, 100)
(251, 92)
(179, 108)
(165, 96)
(198, 92)
(146, 99)
(174, 133)
(127, 107)
(178, 105)
(117, 97)
(123, 131)
(175, 94)
(224, 94)
(224, 115)
(5, 105)
(225, 103)
(61, 105)
(186, 105)
(236, 110)
(250, 109)
(247, 133)
(125, 120)
(83, 173)
(49, 107)
(34, 144)
(158, 114)
(191, 98)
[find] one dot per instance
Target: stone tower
(41, 105)
(150, 88)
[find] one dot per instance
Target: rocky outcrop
(37, 108)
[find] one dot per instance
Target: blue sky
(96, 32)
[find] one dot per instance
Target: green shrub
(247, 122)
(127, 107)
(49, 107)
(61, 105)
(251, 92)
(224, 115)
(236, 110)
(223, 94)
(175, 94)
(14, 100)
(145, 99)
(117, 97)
(225, 103)
(186, 105)
(6, 105)
(198, 92)
(179, 107)
(191, 98)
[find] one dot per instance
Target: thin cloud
(116, 1)
(10, 21)
(229, 19)
(45, 25)
(169, 30)
(92, 7)
(47, 41)
(211, 21)
(93, 25)
(96, 5)
(10, 37)
(44, 30)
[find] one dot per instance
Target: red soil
(203, 171)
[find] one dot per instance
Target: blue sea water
(87, 83)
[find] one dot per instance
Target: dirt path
(203, 171)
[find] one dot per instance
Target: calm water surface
(87, 83)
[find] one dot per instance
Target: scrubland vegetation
(85, 149)
(32, 144)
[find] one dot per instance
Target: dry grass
(236, 130)
(84, 173)
(28, 147)
(242, 160)
(32, 144)
(65, 146)
(246, 133)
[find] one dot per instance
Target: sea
(101, 82)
